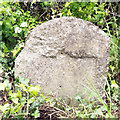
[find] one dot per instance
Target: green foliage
(91, 109)
(15, 27)
(23, 100)
(18, 102)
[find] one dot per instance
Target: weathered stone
(63, 55)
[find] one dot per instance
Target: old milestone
(65, 56)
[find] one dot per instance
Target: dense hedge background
(18, 19)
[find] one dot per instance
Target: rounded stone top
(72, 36)
(62, 54)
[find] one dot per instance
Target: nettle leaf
(35, 90)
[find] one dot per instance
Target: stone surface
(63, 55)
